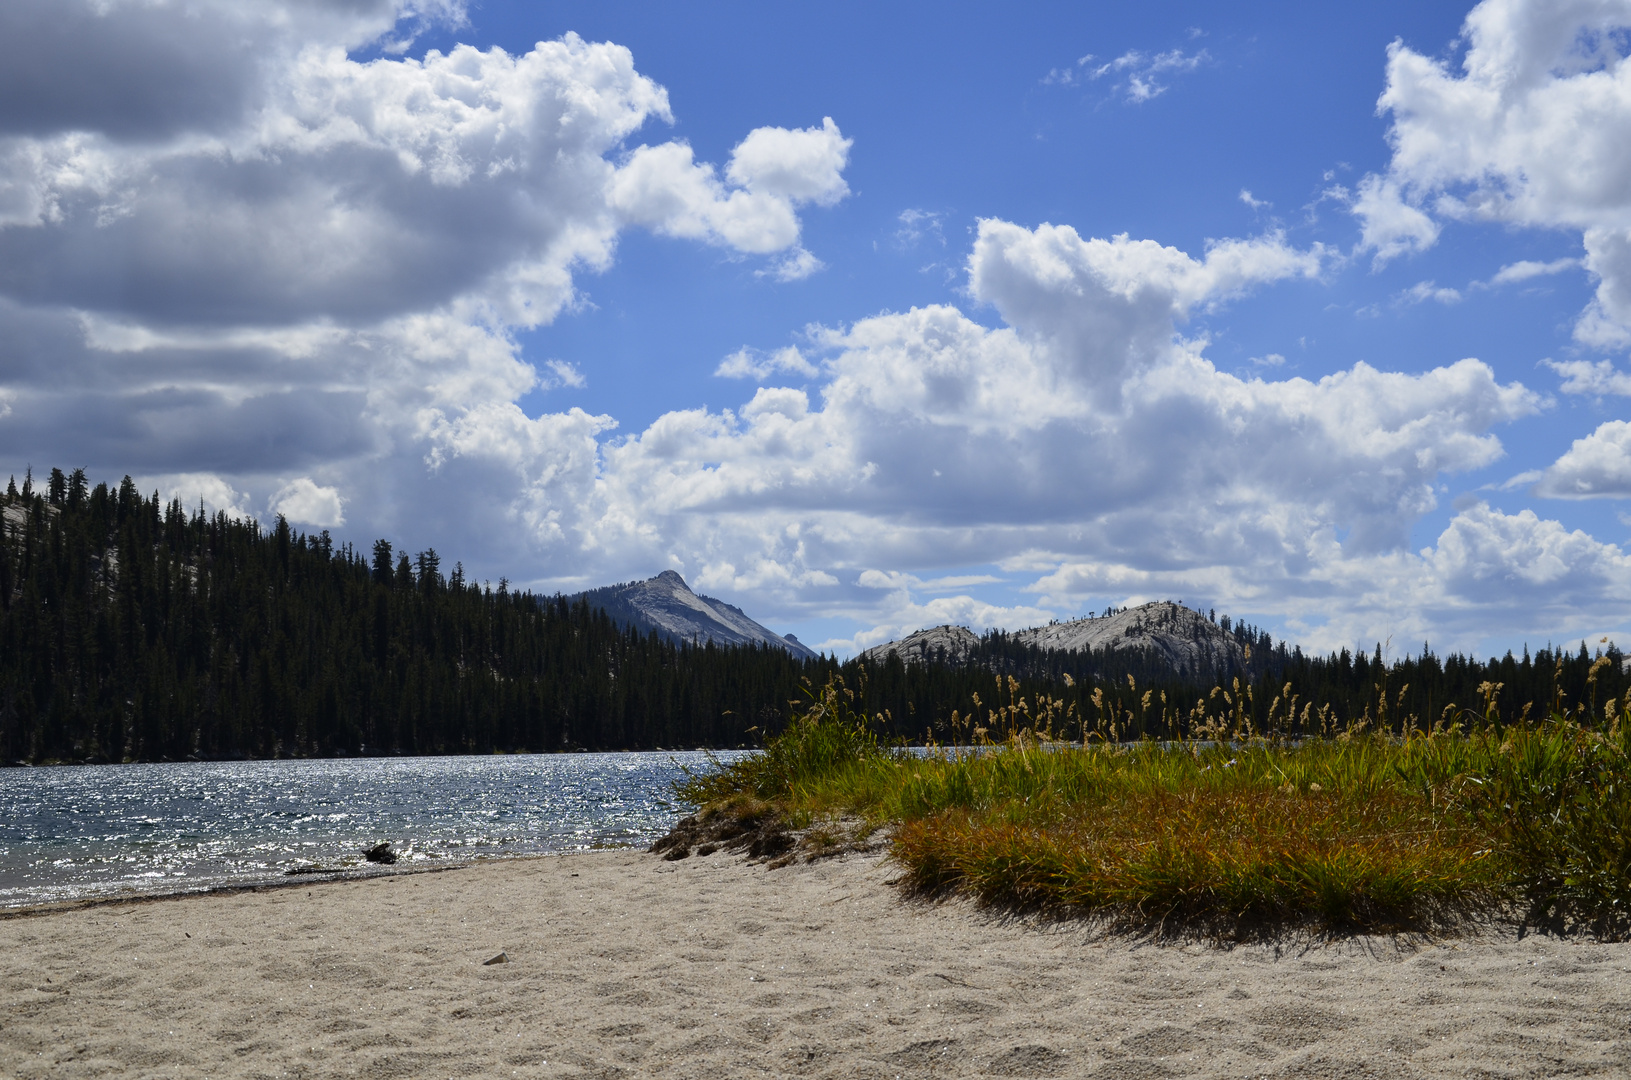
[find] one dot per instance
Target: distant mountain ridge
(666, 605)
(1170, 633)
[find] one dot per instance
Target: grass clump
(1341, 835)
(1557, 800)
(827, 736)
(1239, 833)
(1217, 859)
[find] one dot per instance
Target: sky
(862, 317)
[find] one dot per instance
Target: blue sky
(1031, 312)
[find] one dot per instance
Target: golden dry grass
(1361, 831)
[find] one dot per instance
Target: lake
(81, 831)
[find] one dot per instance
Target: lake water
(106, 830)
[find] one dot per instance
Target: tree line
(1276, 688)
(137, 630)
(131, 629)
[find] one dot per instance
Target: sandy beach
(620, 964)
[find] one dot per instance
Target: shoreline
(289, 880)
(617, 963)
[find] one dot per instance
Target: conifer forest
(137, 630)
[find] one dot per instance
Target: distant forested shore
(137, 630)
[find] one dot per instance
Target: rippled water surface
(99, 830)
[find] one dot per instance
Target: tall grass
(1356, 831)
(825, 737)
(1556, 798)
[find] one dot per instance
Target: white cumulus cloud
(305, 502)
(1084, 438)
(201, 490)
(1529, 129)
(1597, 377)
(746, 363)
(1597, 466)
(770, 174)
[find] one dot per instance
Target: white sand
(624, 965)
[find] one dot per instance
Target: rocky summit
(665, 604)
(945, 644)
(1171, 633)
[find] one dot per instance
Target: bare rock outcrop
(1169, 633)
(947, 644)
(1172, 632)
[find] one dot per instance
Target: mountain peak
(666, 605)
(1168, 632)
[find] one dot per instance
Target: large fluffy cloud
(356, 192)
(771, 172)
(1085, 442)
(1531, 128)
(234, 258)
